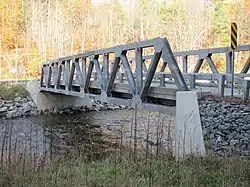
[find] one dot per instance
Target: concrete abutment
(45, 100)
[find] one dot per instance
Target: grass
(12, 92)
(111, 171)
(100, 163)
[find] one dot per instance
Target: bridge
(120, 74)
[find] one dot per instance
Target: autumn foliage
(32, 31)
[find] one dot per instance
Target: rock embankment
(226, 126)
(22, 107)
(17, 107)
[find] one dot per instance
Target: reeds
(97, 159)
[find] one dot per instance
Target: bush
(11, 92)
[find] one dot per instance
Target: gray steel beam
(79, 74)
(198, 65)
(246, 66)
(213, 50)
(71, 75)
(184, 64)
(65, 75)
(135, 80)
(42, 76)
(128, 72)
(152, 42)
(221, 86)
(55, 73)
(99, 72)
(88, 76)
(167, 56)
(163, 67)
(67, 65)
(113, 75)
(140, 63)
(84, 70)
(144, 66)
(48, 76)
(58, 78)
(229, 62)
(105, 70)
(211, 63)
(150, 74)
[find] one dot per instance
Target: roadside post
(233, 46)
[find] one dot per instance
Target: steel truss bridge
(120, 74)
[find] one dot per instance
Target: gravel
(226, 126)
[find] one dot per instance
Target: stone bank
(226, 125)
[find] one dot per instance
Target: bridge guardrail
(67, 68)
(194, 80)
(206, 54)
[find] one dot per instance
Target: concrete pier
(188, 133)
(51, 100)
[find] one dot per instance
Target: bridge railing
(72, 75)
(206, 54)
(58, 75)
(221, 82)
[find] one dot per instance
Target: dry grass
(95, 161)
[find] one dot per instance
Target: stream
(81, 132)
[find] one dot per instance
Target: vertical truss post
(162, 80)
(84, 70)
(65, 75)
(42, 76)
(245, 89)
(105, 70)
(48, 76)
(71, 75)
(139, 70)
(67, 62)
(229, 62)
(221, 85)
(58, 78)
(55, 74)
(185, 63)
(121, 77)
(191, 79)
(45, 69)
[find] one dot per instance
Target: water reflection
(74, 134)
(54, 134)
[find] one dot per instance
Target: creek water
(77, 132)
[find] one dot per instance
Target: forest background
(33, 31)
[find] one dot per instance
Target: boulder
(3, 109)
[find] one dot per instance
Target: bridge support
(188, 133)
(51, 100)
